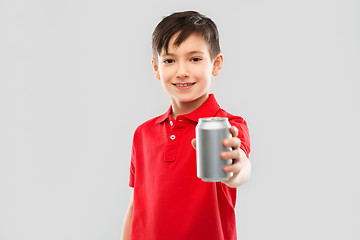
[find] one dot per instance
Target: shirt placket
(173, 138)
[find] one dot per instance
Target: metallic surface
(210, 132)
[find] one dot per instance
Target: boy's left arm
(241, 166)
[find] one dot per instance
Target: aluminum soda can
(210, 132)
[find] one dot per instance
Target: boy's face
(186, 70)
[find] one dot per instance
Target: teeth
(184, 85)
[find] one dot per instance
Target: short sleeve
(132, 165)
(244, 135)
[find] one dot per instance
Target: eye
(196, 59)
(168, 61)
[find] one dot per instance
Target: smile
(183, 84)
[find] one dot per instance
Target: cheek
(165, 74)
(203, 74)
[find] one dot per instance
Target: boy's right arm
(128, 220)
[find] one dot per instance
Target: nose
(182, 72)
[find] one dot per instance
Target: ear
(155, 68)
(217, 65)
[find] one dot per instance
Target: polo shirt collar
(165, 116)
(208, 109)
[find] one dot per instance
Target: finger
(232, 142)
(193, 143)
(235, 154)
(236, 167)
(234, 131)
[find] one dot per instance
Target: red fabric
(170, 202)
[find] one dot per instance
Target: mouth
(183, 84)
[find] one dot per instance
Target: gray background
(76, 80)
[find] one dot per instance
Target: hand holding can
(210, 132)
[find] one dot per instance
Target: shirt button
(171, 123)
(172, 137)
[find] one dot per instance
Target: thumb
(193, 143)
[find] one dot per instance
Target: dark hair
(185, 23)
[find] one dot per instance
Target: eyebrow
(189, 53)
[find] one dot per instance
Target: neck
(181, 108)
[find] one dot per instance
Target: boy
(169, 202)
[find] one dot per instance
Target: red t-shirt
(170, 201)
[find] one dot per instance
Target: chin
(184, 99)
(188, 98)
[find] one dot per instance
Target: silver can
(210, 132)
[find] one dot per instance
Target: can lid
(213, 119)
(214, 123)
